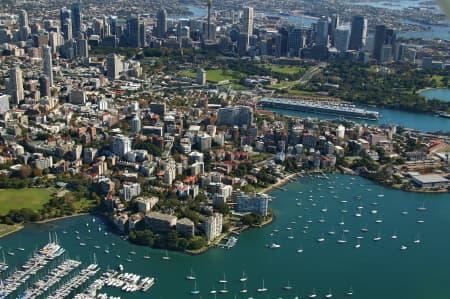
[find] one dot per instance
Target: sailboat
(377, 238)
(224, 290)
(358, 244)
(321, 220)
(191, 276)
(342, 240)
(313, 294)
(288, 287)
(321, 239)
(213, 290)
(342, 221)
(195, 291)
(107, 250)
(244, 289)
(262, 289)
(166, 257)
(243, 278)
(394, 236)
(223, 280)
(300, 249)
(422, 207)
(417, 239)
(147, 257)
(403, 247)
(350, 291)
(332, 232)
(329, 294)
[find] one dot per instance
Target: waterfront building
(256, 203)
(430, 180)
(159, 222)
(121, 145)
(212, 226)
(235, 116)
(131, 190)
(145, 204)
(185, 227)
(358, 33)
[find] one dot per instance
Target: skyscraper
(161, 23)
(248, 21)
(114, 65)
(83, 48)
(322, 32)
(66, 23)
(341, 38)
(134, 37)
(296, 41)
(335, 22)
(47, 63)
(380, 37)
(23, 18)
(16, 85)
(64, 14)
(358, 33)
(77, 17)
(44, 86)
(209, 4)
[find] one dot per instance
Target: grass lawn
(33, 198)
(286, 69)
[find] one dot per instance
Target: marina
(328, 108)
(328, 267)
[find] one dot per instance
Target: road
(311, 72)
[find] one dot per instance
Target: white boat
(191, 276)
(321, 239)
(422, 207)
(332, 232)
(262, 289)
(147, 257)
(420, 221)
(379, 220)
(224, 290)
(243, 278)
(300, 249)
(404, 212)
(329, 294)
(403, 247)
(195, 291)
(107, 250)
(121, 267)
(82, 244)
(244, 289)
(129, 259)
(417, 239)
(377, 238)
(213, 290)
(342, 221)
(274, 246)
(166, 257)
(288, 287)
(358, 245)
(350, 291)
(364, 229)
(313, 294)
(223, 280)
(342, 239)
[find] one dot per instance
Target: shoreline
(17, 229)
(60, 218)
(280, 183)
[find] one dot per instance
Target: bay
(442, 94)
(418, 121)
(376, 270)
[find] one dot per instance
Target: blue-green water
(419, 121)
(442, 94)
(375, 270)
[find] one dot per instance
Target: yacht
(350, 291)
(394, 236)
(377, 238)
(224, 290)
(422, 207)
(342, 240)
(129, 259)
(329, 294)
(380, 220)
(420, 221)
(223, 280)
(321, 220)
(342, 221)
(191, 276)
(300, 249)
(358, 245)
(120, 267)
(262, 289)
(405, 213)
(321, 239)
(365, 229)
(166, 257)
(243, 278)
(195, 291)
(275, 246)
(313, 294)
(147, 257)
(403, 247)
(118, 256)
(332, 232)
(288, 287)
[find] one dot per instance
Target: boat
(20, 248)
(422, 207)
(404, 212)
(417, 239)
(243, 278)
(329, 294)
(223, 280)
(288, 287)
(224, 290)
(107, 250)
(394, 236)
(313, 294)
(262, 289)
(364, 229)
(191, 276)
(332, 231)
(358, 245)
(147, 257)
(244, 289)
(195, 291)
(350, 291)
(403, 247)
(117, 256)
(120, 267)
(420, 221)
(132, 252)
(82, 244)
(166, 257)
(213, 290)
(342, 221)
(129, 259)
(300, 249)
(377, 238)
(10, 253)
(342, 239)
(321, 239)
(274, 246)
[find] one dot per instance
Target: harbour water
(378, 269)
(442, 94)
(419, 121)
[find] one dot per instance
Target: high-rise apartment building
(358, 33)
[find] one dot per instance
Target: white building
(213, 226)
(121, 145)
(131, 190)
(256, 203)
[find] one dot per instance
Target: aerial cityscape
(224, 149)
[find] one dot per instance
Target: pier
(230, 242)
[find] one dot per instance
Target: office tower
(201, 77)
(44, 86)
(4, 103)
(358, 33)
(335, 22)
(380, 37)
(16, 85)
(114, 65)
(67, 29)
(83, 48)
(242, 44)
(296, 41)
(284, 40)
(341, 38)
(322, 32)
(47, 63)
(23, 18)
(134, 37)
(248, 21)
(77, 17)
(64, 14)
(209, 4)
(161, 23)
(24, 32)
